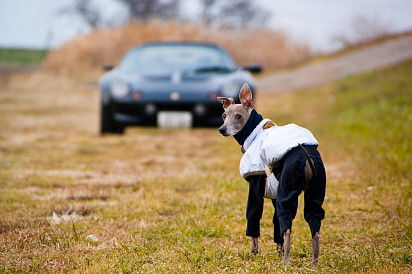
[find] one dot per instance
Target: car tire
(107, 124)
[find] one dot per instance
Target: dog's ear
(245, 96)
(226, 101)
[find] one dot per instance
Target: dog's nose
(222, 130)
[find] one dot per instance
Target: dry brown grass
(272, 49)
(163, 201)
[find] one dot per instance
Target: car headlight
(230, 89)
(119, 89)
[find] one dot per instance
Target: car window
(168, 58)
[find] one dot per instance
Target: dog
(279, 162)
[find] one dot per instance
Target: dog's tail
(310, 160)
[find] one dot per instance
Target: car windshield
(161, 59)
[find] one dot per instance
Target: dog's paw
(255, 246)
(279, 249)
(286, 261)
(314, 263)
(254, 250)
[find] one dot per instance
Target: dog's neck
(254, 119)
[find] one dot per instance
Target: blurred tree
(236, 14)
(208, 11)
(364, 29)
(87, 11)
(149, 9)
(243, 13)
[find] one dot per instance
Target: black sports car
(172, 84)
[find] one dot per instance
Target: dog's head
(236, 115)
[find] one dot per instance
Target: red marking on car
(137, 95)
(175, 96)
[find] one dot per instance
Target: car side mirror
(108, 67)
(255, 68)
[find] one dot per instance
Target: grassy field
(10, 56)
(173, 201)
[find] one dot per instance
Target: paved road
(362, 60)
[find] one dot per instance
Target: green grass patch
(11, 56)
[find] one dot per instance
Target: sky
(38, 23)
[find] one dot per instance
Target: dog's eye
(224, 116)
(238, 116)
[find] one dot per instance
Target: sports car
(170, 84)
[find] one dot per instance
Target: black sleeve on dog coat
(254, 208)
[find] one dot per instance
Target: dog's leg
(255, 246)
(286, 247)
(315, 249)
(279, 249)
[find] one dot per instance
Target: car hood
(157, 86)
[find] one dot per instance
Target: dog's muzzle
(223, 130)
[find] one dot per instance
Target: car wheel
(107, 124)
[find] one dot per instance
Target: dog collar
(254, 120)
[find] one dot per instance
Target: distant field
(86, 54)
(10, 56)
(169, 201)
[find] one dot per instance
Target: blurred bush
(86, 54)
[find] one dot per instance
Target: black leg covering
(254, 207)
(291, 181)
(314, 196)
(277, 236)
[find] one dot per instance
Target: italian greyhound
(298, 155)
